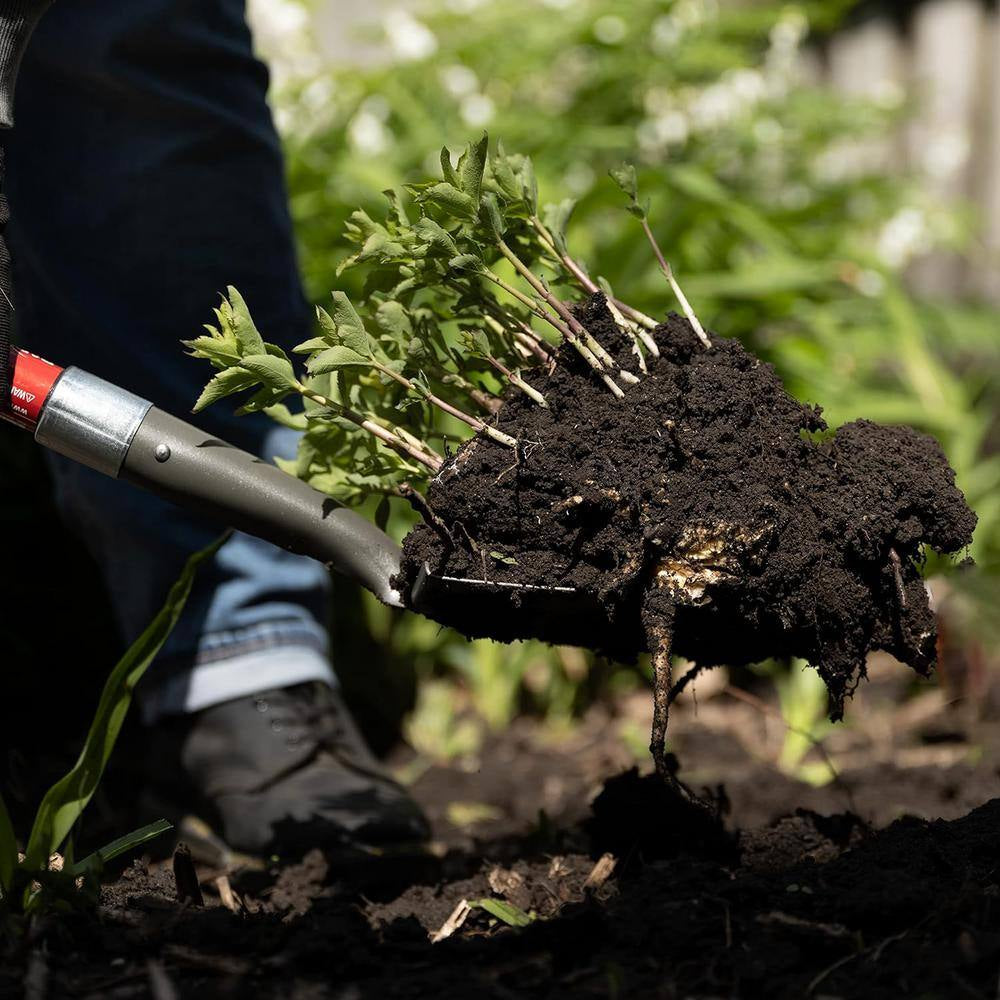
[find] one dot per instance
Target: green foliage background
(783, 230)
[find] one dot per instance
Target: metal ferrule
(90, 421)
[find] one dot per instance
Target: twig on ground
(458, 917)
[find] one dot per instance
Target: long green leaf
(68, 797)
(119, 846)
(8, 848)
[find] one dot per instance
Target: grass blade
(511, 915)
(68, 797)
(121, 845)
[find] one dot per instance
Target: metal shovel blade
(506, 611)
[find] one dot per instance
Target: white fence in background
(947, 60)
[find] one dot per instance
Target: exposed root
(423, 508)
(898, 574)
(657, 622)
(678, 689)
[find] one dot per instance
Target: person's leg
(144, 176)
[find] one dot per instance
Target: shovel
(109, 429)
(121, 435)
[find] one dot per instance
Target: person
(144, 175)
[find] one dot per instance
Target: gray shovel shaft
(122, 435)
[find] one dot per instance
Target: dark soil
(708, 498)
(812, 906)
(794, 891)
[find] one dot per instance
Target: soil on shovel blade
(708, 499)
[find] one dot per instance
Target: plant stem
(668, 273)
(391, 438)
(566, 332)
(571, 329)
(587, 283)
(527, 337)
(474, 422)
(515, 379)
(480, 397)
(560, 307)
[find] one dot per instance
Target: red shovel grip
(31, 384)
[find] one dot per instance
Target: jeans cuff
(237, 676)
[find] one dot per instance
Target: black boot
(280, 772)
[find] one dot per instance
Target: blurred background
(826, 177)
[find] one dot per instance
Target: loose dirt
(708, 503)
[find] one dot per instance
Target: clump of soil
(708, 506)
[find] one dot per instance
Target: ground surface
(794, 904)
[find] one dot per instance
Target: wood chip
(225, 891)
(601, 872)
(558, 867)
(458, 917)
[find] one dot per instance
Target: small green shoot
(625, 177)
(505, 912)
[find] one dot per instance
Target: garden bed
(811, 904)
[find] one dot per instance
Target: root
(657, 622)
(897, 573)
(419, 503)
(678, 688)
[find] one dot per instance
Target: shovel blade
(505, 611)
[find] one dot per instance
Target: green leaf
(472, 167)
(247, 336)
(529, 185)
(466, 262)
(8, 849)
(335, 358)
(67, 798)
(511, 915)
(119, 846)
(451, 200)
(396, 208)
(314, 343)
(556, 219)
(219, 348)
(504, 175)
(225, 384)
(275, 373)
(489, 211)
(262, 400)
(392, 319)
(436, 236)
(281, 414)
(447, 169)
(624, 177)
(350, 329)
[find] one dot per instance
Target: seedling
(46, 877)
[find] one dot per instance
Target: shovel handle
(116, 432)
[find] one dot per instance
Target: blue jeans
(145, 175)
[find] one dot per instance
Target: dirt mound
(810, 906)
(708, 505)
